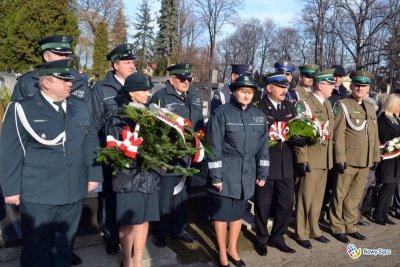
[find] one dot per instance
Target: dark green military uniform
(307, 71)
(47, 157)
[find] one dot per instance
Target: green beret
(56, 43)
(361, 77)
(58, 68)
(243, 81)
(183, 70)
(324, 76)
(309, 69)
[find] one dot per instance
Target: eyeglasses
(184, 79)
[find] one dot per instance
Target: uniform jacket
(134, 179)
(388, 170)
(28, 84)
(220, 97)
(238, 140)
(319, 156)
(281, 155)
(338, 94)
(302, 91)
(54, 175)
(356, 148)
(292, 96)
(168, 97)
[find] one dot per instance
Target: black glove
(341, 167)
(298, 140)
(303, 168)
(373, 167)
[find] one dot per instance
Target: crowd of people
(55, 123)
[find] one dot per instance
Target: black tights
(384, 200)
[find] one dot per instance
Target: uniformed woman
(388, 171)
(137, 200)
(237, 133)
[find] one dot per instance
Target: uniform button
(70, 152)
(70, 164)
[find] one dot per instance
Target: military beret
(361, 77)
(242, 69)
(60, 44)
(121, 52)
(243, 81)
(284, 67)
(324, 76)
(308, 70)
(137, 82)
(278, 79)
(339, 70)
(58, 68)
(182, 70)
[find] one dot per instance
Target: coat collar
(111, 81)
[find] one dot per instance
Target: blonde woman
(388, 172)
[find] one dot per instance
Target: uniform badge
(78, 93)
(357, 121)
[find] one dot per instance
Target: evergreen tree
(101, 48)
(25, 23)
(144, 37)
(119, 30)
(166, 44)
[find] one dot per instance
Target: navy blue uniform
(28, 84)
(280, 186)
(52, 180)
(173, 207)
(220, 97)
(103, 104)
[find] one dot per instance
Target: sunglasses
(184, 79)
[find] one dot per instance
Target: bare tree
(268, 31)
(214, 14)
(189, 29)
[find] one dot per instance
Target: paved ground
(203, 253)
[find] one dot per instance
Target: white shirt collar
(320, 99)
(274, 103)
(121, 81)
(51, 101)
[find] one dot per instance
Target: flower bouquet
(302, 125)
(391, 149)
(159, 138)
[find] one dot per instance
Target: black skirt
(137, 208)
(225, 209)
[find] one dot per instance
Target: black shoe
(112, 248)
(379, 221)
(357, 236)
(342, 238)
(160, 241)
(388, 221)
(322, 239)
(281, 246)
(305, 244)
(261, 249)
(185, 237)
(238, 263)
(75, 259)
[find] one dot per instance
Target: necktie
(60, 109)
(279, 107)
(185, 99)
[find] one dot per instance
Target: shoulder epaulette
(24, 98)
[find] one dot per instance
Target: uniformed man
(102, 105)
(305, 86)
(280, 183)
(356, 150)
(222, 96)
(180, 98)
(47, 165)
(287, 68)
(55, 47)
(314, 161)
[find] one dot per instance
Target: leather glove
(341, 167)
(303, 168)
(373, 167)
(298, 140)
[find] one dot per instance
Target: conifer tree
(166, 44)
(119, 30)
(24, 23)
(144, 36)
(101, 48)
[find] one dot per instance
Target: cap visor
(68, 77)
(282, 84)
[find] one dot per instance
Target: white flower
(396, 140)
(390, 149)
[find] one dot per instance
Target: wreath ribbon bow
(278, 131)
(129, 144)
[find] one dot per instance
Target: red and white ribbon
(278, 131)
(324, 131)
(130, 141)
(388, 155)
